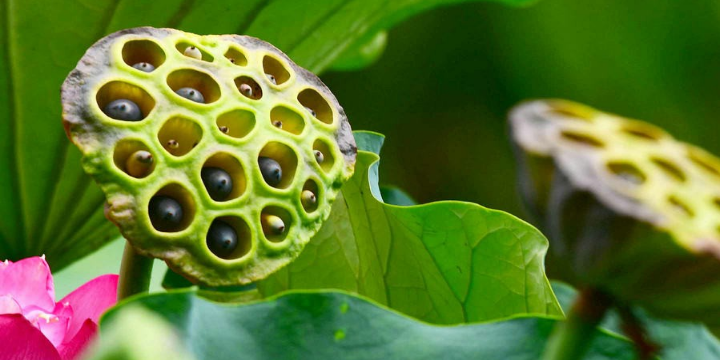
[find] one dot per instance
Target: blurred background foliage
(442, 89)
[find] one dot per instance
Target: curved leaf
(48, 204)
(330, 325)
(448, 262)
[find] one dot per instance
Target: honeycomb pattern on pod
(216, 153)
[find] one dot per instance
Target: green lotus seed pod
(627, 208)
(171, 209)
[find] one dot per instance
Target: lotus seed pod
(171, 210)
(627, 208)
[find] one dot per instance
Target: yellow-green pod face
(626, 206)
(198, 140)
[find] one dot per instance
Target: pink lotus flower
(33, 326)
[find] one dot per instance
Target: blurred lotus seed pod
(173, 125)
(627, 208)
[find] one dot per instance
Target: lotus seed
(311, 111)
(319, 157)
(193, 52)
(191, 94)
(308, 199)
(272, 79)
(123, 109)
(277, 124)
(143, 66)
(222, 239)
(165, 213)
(246, 90)
(139, 164)
(272, 225)
(224, 129)
(271, 170)
(218, 182)
(173, 144)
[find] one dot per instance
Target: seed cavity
(275, 70)
(133, 158)
(194, 85)
(580, 138)
(680, 206)
(235, 56)
(572, 111)
(143, 55)
(278, 163)
(171, 209)
(236, 123)
(124, 102)
(704, 161)
(643, 131)
(224, 177)
(309, 196)
(229, 238)
(275, 222)
(323, 155)
(316, 105)
(669, 168)
(179, 135)
(626, 171)
(248, 87)
(288, 119)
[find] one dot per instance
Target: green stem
(135, 273)
(571, 339)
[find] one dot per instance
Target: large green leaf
(331, 325)
(678, 340)
(47, 204)
(448, 262)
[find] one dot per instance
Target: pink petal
(9, 306)
(29, 282)
(90, 301)
(72, 349)
(54, 328)
(21, 340)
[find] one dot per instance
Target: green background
(441, 91)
